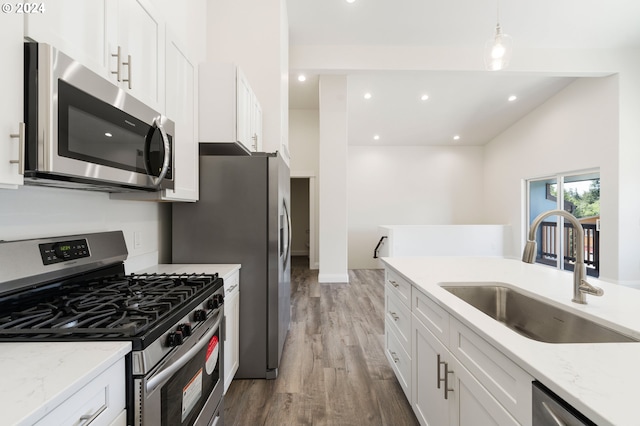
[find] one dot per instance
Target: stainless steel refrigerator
(243, 217)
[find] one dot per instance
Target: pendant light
(497, 50)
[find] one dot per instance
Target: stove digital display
(63, 251)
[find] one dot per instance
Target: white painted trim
(303, 174)
(333, 278)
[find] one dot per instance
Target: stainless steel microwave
(84, 132)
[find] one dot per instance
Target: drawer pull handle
(88, 418)
(394, 316)
(395, 284)
(395, 358)
(557, 420)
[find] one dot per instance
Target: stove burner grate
(112, 307)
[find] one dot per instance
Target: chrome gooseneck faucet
(580, 285)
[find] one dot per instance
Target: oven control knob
(200, 315)
(174, 338)
(216, 301)
(185, 329)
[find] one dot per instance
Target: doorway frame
(314, 262)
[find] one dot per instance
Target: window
(579, 194)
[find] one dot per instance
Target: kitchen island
(598, 379)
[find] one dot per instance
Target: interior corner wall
(332, 179)
(409, 185)
(575, 130)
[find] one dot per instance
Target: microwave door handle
(164, 375)
(156, 181)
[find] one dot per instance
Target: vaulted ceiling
(471, 105)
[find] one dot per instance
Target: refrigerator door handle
(286, 213)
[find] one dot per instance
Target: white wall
(332, 219)
(575, 130)
(409, 185)
(33, 212)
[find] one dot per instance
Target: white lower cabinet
(451, 376)
(232, 328)
(398, 329)
(101, 402)
(445, 392)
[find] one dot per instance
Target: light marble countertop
(600, 380)
(39, 376)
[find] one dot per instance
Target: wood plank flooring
(333, 369)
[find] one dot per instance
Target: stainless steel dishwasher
(551, 410)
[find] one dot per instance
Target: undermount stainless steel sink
(534, 318)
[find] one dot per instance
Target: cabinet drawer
(505, 380)
(398, 317)
(399, 360)
(100, 402)
(400, 285)
(232, 284)
(431, 315)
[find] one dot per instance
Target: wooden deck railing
(591, 246)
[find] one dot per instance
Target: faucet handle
(585, 287)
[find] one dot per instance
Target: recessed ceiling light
(376, 137)
(108, 134)
(512, 98)
(351, 1)
(367, 95)
(302, 77)
(456, 138)
(424, 97)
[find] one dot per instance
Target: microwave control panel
(63, 251)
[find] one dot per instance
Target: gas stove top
(75, 288)
(112, 307)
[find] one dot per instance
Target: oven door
(186, 388)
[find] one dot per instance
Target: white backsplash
(34, 212)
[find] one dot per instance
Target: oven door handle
(164, 375)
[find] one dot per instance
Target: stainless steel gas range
(74, 289)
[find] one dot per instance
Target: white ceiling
(470, 104)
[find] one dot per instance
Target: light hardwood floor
(333, 369)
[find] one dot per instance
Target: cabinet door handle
(117, 71)
(88, 418)
(394, 356)
(20, 137)
(128, 64)
(440, 380)
(446, 380)
(394, 316)
(395, 284)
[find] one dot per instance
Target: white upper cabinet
(181, 107)
(121, 40)
(11, 113)
(79, 28)
(229, 110)
(138, 53)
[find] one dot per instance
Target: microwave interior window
(95, 131)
